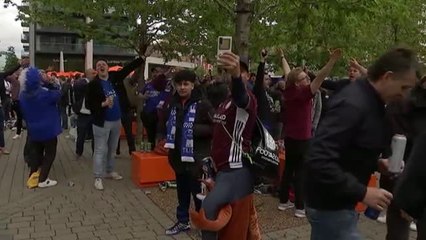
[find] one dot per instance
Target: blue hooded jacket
(39, 107)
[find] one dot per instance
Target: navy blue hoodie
(39, 107)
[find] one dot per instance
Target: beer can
(372, 213)
(148, 147)
(398, 145)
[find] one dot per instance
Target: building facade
(44, 44)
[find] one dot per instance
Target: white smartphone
(224, 44)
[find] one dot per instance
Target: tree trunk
(242, 29)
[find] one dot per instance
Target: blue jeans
(1, 127)
(339, 225)
(106, 140)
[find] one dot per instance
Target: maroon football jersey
(239, 123)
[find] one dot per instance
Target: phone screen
(224, 44)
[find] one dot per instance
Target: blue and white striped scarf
(187, 143)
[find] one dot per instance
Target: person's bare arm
(326, 70)
(354, 63)
(285, 65)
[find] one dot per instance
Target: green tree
(169, 26)
(305, 29)
(11, 58)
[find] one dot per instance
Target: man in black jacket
(107, 100)
(349, 141)
(186, 103)
(84, 119)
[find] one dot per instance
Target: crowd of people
(336, 134)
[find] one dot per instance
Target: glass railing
(53, 29)
(111, 50)
(57, 47)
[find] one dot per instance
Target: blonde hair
(293, 76)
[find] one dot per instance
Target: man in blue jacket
(40, 110)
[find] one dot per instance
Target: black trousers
(16, 107)
(126, 122)
(187, 186)
(397, 227)
(84, 129)
(150, 121)
(7, 108)
(295, 152)
(42, 155)
(64, 117)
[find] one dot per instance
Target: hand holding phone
(224, 44)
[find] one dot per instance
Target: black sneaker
(178, 228)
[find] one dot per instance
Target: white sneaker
(16, 137)
(382, 218)
(114, 176)
(413, 226)
(285, 206)
(98, 184)
(14, 129)
(47, 183)
(300, 213)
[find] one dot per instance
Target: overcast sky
(11, 30)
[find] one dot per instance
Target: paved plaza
(75, 210)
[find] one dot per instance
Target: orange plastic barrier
(123, 133)
(360, 207)
(149, 169)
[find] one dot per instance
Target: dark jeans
(149, 121)
(27, 151)
(16, 107)
(2, 143)
(187, 185)
(231, 185)
(295, 151)
(339, 224)
(43, 154)
(126, 122)
(84, 128)
(7, 108)
(397, 227)
(64, 117)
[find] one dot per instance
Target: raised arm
(354, 63)
(258, 84)
(326, 70)
(285, 66)
(231, 63)
(126, 70)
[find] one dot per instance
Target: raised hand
(280, 52)
(336, 53)
(231, 63)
